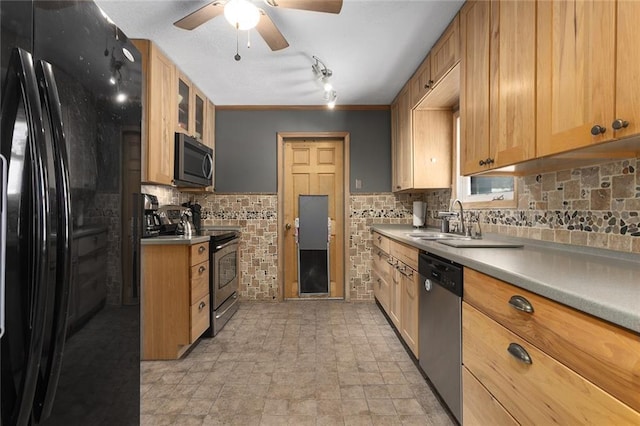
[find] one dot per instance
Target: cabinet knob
(201, 269)
(201, 249)
(519, 353)
(521, 304)
(619, 124)
(490, 161)
(379, 238)
(201, 306)
(598, 130)
(481, 163)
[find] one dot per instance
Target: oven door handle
(235, 300)
(220, 247)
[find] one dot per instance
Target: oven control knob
(427, 284)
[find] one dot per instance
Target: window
(481, 191)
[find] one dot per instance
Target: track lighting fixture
(323, 76)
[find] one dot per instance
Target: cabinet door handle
(521, 304)
(201, 306)
(519, 353)
(379, 238)
(201, 269)
(598, 130)
(619, 124)
(201, 249)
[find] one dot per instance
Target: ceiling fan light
(241, 14)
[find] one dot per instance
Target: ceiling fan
(243, 15)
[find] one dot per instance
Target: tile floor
(293, 363)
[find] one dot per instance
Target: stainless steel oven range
(224, 261)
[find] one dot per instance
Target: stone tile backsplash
(594, 206)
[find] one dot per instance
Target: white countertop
(603, 283)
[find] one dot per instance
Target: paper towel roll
(419, 212)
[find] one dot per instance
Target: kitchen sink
(434, 235)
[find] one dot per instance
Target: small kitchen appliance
(151, 218)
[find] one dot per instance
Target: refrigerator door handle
(48, 381)
(3, 238)
(21, 86)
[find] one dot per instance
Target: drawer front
(605, 354)
(199, 281)
(381, 290)
(405, 254)
(200, 317)
(90, 243)
(381, 242)
(542, 392)
(382, 264)
(199, 253)
(479, 407)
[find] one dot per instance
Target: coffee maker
(151, 219)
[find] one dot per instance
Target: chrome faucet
(461, 214)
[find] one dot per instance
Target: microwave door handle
(207, 160)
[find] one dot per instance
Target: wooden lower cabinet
(539, 390)
(583, 370)
(603, 353)
(396, 285)
(395, 299)
(479, 407)
(175, 298)
(410, 283)
(382, 274)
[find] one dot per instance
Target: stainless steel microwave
(193, 162)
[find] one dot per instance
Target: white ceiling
(372, 47)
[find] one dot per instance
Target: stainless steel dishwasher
(440, 327)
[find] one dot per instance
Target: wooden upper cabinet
(184, 113)
(446, 52)
(576, 71)
(421, 82)
(395, 121)
(512, 108)
(627, 66)
(404, 151)
(432, 143)
(199, 114)
(498, 84)
(158, 110)
(475, 30)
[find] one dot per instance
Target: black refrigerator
(70, 103)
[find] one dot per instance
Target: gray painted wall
(246, 146)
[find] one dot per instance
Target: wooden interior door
(314, 167)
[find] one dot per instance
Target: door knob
(597, 130)
(619, 124)
(287, 226)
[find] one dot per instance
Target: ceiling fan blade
(270, 33)
(327, 6)
(200, 16)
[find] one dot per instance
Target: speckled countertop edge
(173, 239)
(602, 283)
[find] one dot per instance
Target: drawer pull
(521, 304)
(201, 269)
(201, 306)
(201, 249)
(519, 353)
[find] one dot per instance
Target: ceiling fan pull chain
(237, 57)
(248, 39)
